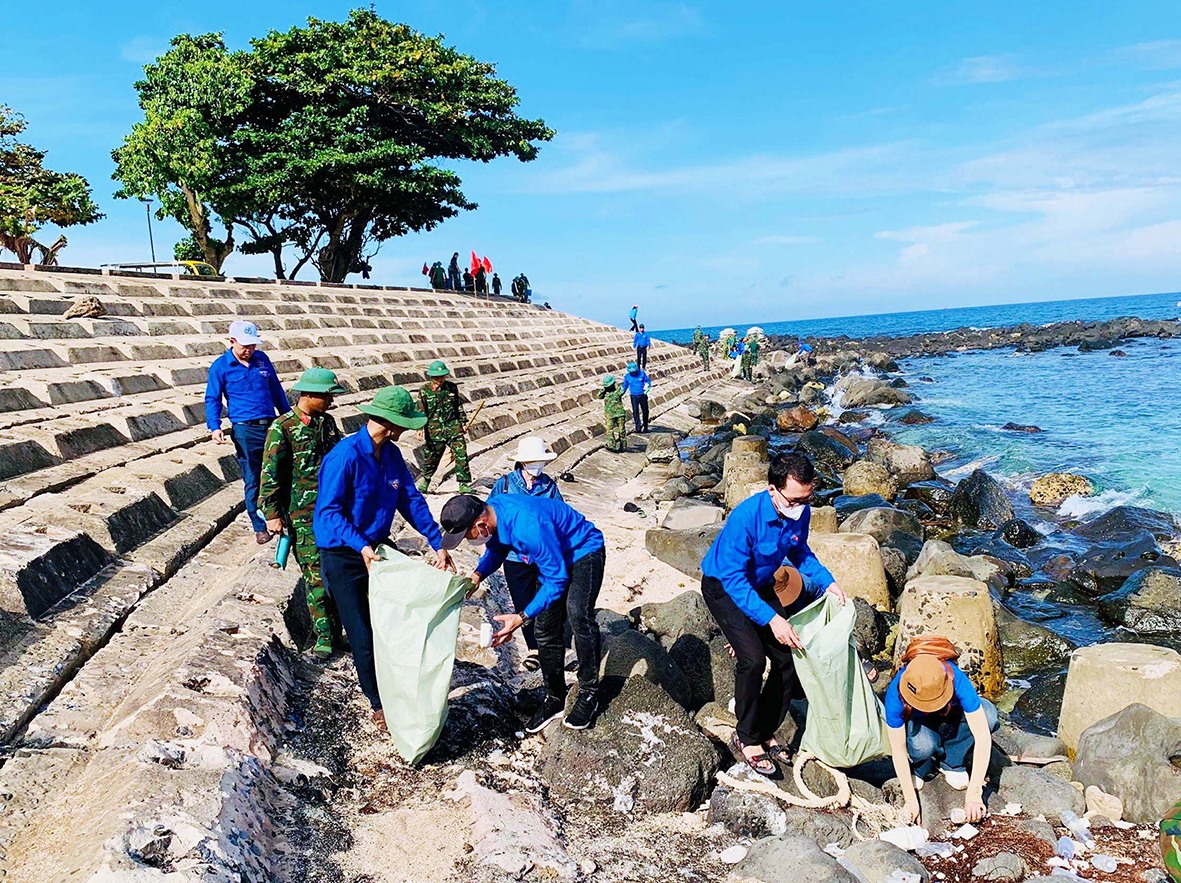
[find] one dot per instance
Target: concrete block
(41, 566)
(855, 562)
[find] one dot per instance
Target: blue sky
(720, 162)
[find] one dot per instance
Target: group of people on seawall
(479, 279)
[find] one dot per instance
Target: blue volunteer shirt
(636, 384)
(359, 495)
(253, 392)
(632, 313)
(513, 483)
(755, 541)
(965, 694)
(641, 339)
(550, 533)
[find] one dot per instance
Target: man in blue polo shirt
(641, 341)
(364, 482)
(763, 534)
(569, 553)
(636, 384)
(246, 378)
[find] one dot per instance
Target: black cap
(459, 513)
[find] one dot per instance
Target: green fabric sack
(846, 724)
(415, 612)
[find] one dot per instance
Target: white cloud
(785, 239)
(608, 24)
(143, 49)
(1154, 54)
(986, 69)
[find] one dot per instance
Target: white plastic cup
(485, 634)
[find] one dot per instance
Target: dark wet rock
(1026, 646)
(801, 418)
(980, 501)
(879, 861)
(1131, 755)
(1148, 602)
(746, 813)
(707, 667)
(852, 416)
(1119, 354)
(479, 710)
(826, 451)
(1126, 520)
(869, 629)
(847, 505)
(915, 417)
(682, 549)
(1039, 707)
(1038, 792)
(1091, 346)
(708, 411)
(907, 463)
(686, 614)
(1018, 533)
(936, 494)
(632, 653)
(790, 858)
(894, 563)
(917, 508)
(865, 393)
(881, 521)
(643, 754)
(1015, 563)
(612, 623)
(1107, 565)
(1022, 427)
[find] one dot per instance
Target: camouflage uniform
(445, 422)
(748, 361)
(703, 351)
(290, 469)
(614, 416)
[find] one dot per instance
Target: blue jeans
(947, 744)
(249, 441)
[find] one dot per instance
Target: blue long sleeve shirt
(636, 384)
(754, 542)
(513, 483)
(641, 339)
(359, 495)
(549, 533)
(632, 313)
(252, 392)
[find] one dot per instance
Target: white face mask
(534, 469)
(795, 513)
(481, 540)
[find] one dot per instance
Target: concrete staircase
(108, 480)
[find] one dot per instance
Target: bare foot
(378, 719)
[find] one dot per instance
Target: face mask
(795, 512)
(480, 540)
(534, 469)
(792, 512)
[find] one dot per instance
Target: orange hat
(788, 585)
(926, 683)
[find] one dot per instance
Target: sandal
(760, 763)
(871, 671)
(531, 662)
(779, 752)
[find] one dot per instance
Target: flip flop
(871, 671)
(779, 753)
(760, 763)
(531, 662)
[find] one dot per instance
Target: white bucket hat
(532, 449)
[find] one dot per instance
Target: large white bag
(415, 612)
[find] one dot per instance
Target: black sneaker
(551, 709)
(582, 715)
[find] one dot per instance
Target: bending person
(762, 534)
(569, 553)
(363, 483)
(934, 718)
(521, 574)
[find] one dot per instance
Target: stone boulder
(661, 447)
(865, 477)
(1018, 534)
(1129, 755)
(961, 610)
(855, 563)
(708, 411)
(1052, 489)
(86, 308)
(790, 858)
(631, 654)
(1105, 678)
(880, 522)
(686, 614)
(907, 463)
(1107, 565)
(745, 469)
(915, 417)
(673, 489)
(643, 755)
(980, 501)
(869, 392)
(746, 813)
(1149, 602)
(881, 862)
(845, 505)
(1128, 520)
(869, 629)
(1038, 792)
(826, 451)
(691, 515)
(801, 418)
(823, 519)
(1004, 867)
(894, 563)
(938, 558)
(708, 669)
(682, 549)
(1026, 646)
(935, 494)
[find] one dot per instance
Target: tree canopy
(32, 195)
(320, 142)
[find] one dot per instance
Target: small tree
(32, 196)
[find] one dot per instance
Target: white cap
(532, 449)
(244, 332)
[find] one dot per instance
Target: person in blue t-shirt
(934, 718)
(528, 477)
(739, 575)
(637, 384)
(635, 310)
(569, 553)
(641, 341)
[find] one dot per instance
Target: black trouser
(640, 412)
(634, 327)
(577, 605)
(522, 585)
(760, 708)
(642, 357)
(347, 580)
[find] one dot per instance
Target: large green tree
(32, 196)
(346, 136)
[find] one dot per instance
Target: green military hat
(394, 403)
(318, 380)
(608, 380)
(438, 369)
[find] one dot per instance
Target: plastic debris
(967, 832)
(935, 849)
(1104, 863)
(1065, 847)
(1012, 809)
(958, 816)
(1080, 828)
(908, 838)
(733, 855)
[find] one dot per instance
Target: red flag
(487, 264)
(425, 269)
(475, 263)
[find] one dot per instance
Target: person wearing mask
(635, 311)
(641, 341)
(763, 546)
(245, 377)
(528, 477)
(364, 482)
(937, 722)
(570, 554)
(637, 385)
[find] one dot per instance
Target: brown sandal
(780, 753)
(760, 763)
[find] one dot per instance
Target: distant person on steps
(635, 311)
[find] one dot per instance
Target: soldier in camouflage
(614, 415)
(296, 445)
(749, 354)
(702, 347)
(445, 426)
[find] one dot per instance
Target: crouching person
(937, 722)
(569, 554)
